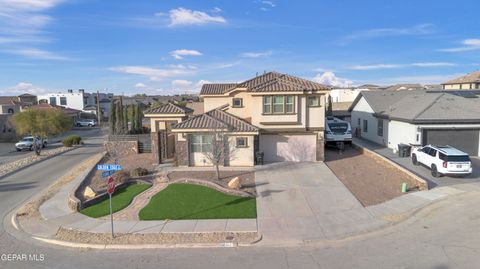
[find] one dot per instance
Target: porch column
(320, 147)
(181, 152)
(156, 147)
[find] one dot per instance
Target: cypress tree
(120, 116)
(139, 119)
(125, 119)
(112, 117)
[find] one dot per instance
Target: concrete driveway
(305, 201)
(423, 171)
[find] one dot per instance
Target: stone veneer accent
(320, 150)
(181, 153)
(121, 147)
(155, 147)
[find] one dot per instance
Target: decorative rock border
(12, 167)
(421, 183)
(212, 185)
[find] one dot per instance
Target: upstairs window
(237, 102)
(279, 104)
(314, 101)
(63, 101)
(53, 101)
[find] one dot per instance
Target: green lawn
(120, 199)
(189, 201)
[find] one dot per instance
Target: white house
(418, 118)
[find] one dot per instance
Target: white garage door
(292, 148)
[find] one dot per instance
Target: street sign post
(110, 190)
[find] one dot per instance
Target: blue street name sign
(108, 173)
(109, 167)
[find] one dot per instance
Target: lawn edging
(212, 185)
(422, 184)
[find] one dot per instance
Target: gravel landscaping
(371, 181)
(32, 158)
(247, 178)
(189, 201)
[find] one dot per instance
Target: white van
(337, 130)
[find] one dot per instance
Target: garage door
(465, 140)
(292, 148)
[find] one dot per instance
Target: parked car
(85, 123)
(28, 142)
(443, 160)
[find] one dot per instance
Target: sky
(173, 47)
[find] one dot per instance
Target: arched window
(10, 111)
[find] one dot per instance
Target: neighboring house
(468, 82)
(197, 107)
(73, 113)
(408, 87)
(280, 115)
(418, 118)
(340, 110)
(345, 94)
(7, 130)
(78, 100)
(8, 105)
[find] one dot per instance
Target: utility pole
(99, 117)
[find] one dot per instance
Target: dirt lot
(369, 180)
(128, 163)
(247, 178)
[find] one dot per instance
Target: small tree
(41, 123)
(113, 118)
(139, 115)
(125, 119)
(220, 149)
(329, 107)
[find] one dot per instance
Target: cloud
(395, 66)
(266, 5)
(154, 74)
(38, 54)
(184, 17)
(140, 85)
(24, 87)
(181, 83)
(257, 54)
(468, 45)
(329, 78)
(24, 22)
(179, 54)
(420, 29)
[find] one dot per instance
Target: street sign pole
(111, 214)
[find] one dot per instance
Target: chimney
(81, 91)
(70, 91)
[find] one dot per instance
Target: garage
(291, 148)
(463, 139)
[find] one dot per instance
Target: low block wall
(121, 147)
(421, 183)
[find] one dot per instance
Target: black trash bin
(404, 150)
(259, 158)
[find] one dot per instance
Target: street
(444, 235)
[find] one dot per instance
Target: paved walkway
(424, 172)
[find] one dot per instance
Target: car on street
(85, 123)
(443, 160)
(27, 143)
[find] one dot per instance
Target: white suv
(443, 160)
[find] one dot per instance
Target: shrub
(71, 140)
(121, 177)
(139, 171)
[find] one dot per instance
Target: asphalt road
(445, 235)
(8, 153)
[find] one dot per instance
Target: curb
(39, 161)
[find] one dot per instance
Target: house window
(289, 104)
(278, 104)
(314, 101)
(201, 143)
(63, 101)
(10, 111)
(237, 102)
(365, 126)
(380, 127)
(53, 101)
(242, 142)
(267, 104)
(358, 121)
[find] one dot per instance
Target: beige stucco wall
(462, 86)
(316, 115)
(241, 156)
(158, 123)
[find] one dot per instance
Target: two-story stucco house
(277, 114)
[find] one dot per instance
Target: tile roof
(410, 87)
(473, 77)
(268, 82)
(8, 100)
(169, 108)
(425, 107)
(217, 118)
(197, 107)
